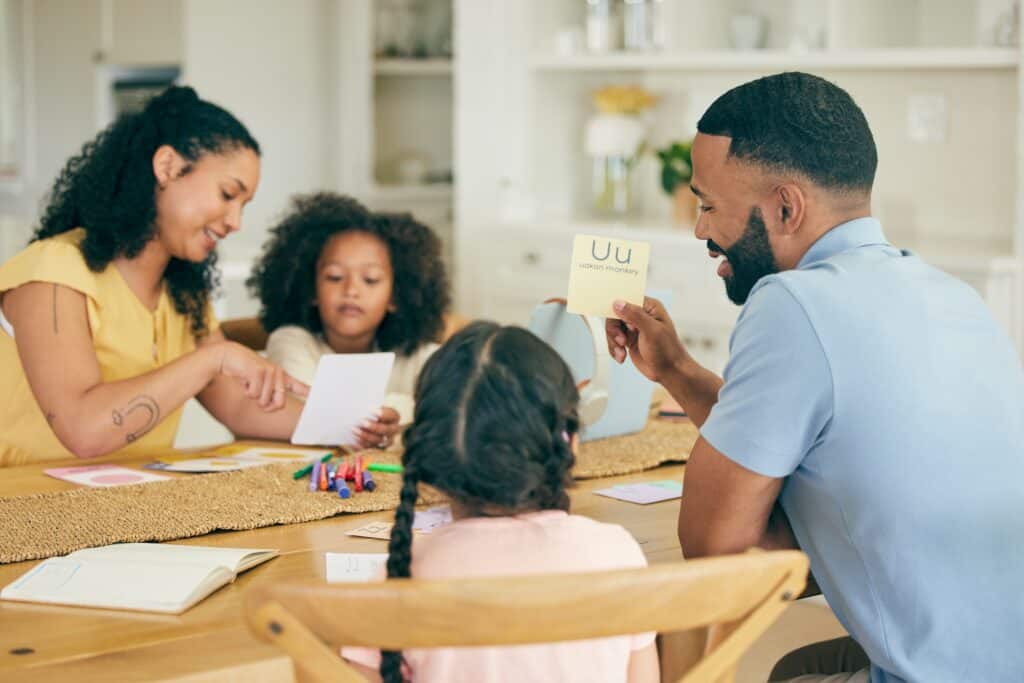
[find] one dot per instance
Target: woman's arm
(226, 401)
(92, 417)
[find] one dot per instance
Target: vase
(611, 186)
(613, 142)
(684, 207)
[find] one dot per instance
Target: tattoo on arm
(55, 308)
(149, 409)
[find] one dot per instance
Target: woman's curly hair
(110, 190)
(284, 279)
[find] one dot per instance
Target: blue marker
(331, 471)
(368, 483)
(314, 481)
(343, 490)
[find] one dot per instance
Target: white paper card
(102, 475)
(355, 566)
(426, 521)
(644, 493)
(347, 389)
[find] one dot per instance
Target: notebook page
(233, 559)
(118, 584)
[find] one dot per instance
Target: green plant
(676, 166)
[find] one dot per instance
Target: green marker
(384, 467)
(299, 474)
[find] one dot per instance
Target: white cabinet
(520, 267)
(141, 32)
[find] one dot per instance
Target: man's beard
(750, 258)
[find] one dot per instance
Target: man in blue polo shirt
(871, 413)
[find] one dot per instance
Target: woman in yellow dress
(107, 327)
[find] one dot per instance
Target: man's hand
(649, 337)
(378, 431)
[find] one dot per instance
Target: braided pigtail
(400, 561)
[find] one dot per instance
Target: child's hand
(378, 431)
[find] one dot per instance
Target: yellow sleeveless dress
(129, 339)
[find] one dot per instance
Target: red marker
(357, 472)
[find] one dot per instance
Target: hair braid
(400, 560)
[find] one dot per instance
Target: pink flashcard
(102, 475)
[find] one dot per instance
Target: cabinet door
(518, 272)
(145, 32)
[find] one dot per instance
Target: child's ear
(574, 444)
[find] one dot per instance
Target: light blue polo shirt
(893, 403)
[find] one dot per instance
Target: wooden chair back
(739, 596)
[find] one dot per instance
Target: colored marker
(314, 480)
(368, 483)
(332, 472)
(343, 490)
(357, 472)
(348, 471)
(384, 467)
(323, 478)
(299, 474)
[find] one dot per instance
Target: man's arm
(728, 509)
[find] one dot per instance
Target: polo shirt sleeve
(777, 398)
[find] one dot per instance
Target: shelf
(770, 60)
(412, 67)
(434, 192)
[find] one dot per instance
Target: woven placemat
(660, 441)
(47, 524)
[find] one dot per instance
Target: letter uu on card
(603, 270)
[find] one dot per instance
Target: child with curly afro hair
(336, 278)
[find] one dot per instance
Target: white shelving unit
(870, 59)
(954, 196)
(412, 67)
(390, 109)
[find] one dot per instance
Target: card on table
(102, 475)
(424, 522)
(644, 492)
(347, 389)
(232, 457)
(603, 270)
(355, 566)
(378, 530)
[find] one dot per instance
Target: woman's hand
(263, 381)
(378, 431)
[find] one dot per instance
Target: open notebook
(150, 577)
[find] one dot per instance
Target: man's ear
(167, 165)
(791, 207)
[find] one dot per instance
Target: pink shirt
(551, 541)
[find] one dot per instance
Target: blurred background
(510, 125)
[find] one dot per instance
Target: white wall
(265, 62)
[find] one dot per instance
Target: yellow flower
(623, 99)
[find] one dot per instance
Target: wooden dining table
(211, 642)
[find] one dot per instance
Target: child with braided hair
(495, 428)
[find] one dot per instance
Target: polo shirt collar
(860, 232)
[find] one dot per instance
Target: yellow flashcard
(603, 270)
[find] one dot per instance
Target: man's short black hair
(796, 122)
